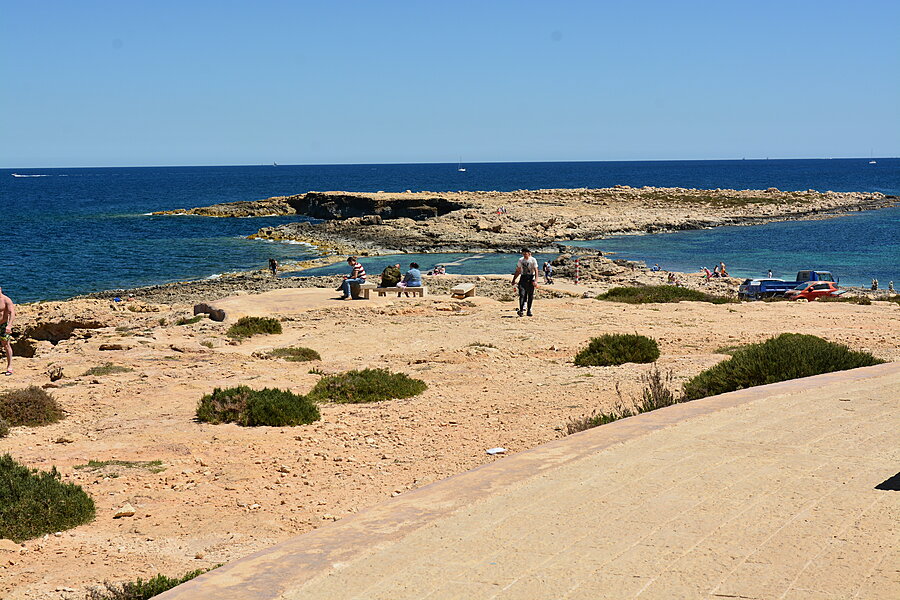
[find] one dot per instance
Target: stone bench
(419, 290)
(363, 289)
(463, 290)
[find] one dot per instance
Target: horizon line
(336, 164)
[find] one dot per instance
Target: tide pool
(856, 248)
(456, 264)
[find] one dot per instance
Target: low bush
(4, 428)
(31, 406)
(251, 408)
(248, 326)
(296, 354)
(368, 385)
(34, 502)
(660, 293)
(140, 589)
(107, 369)
(189, 320)
(863, 300)
(153, 466)
(618, 349)
(657, 393)
(787, 356)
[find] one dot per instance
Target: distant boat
(274, 164)
(872, 162)
(459, 166)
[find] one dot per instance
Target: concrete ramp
(763, 493)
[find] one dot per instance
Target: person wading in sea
(527, 273)
(7, 314)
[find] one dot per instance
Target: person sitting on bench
(413, 278)
(357, 276)
(390, 277)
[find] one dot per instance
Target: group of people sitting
(390, 277)
(718, 271)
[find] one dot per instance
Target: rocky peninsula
(421, 222)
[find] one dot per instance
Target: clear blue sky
(159, 82)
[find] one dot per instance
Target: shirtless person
(7, 314)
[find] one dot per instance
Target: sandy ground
(226, 491)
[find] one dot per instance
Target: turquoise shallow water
(856, 248)
(456, 264)
(74, 231)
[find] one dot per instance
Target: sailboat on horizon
(459, 166)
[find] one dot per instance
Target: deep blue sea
(72, 231)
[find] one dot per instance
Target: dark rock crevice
(319, 205)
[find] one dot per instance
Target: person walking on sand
(548, 273)
(527, 273)
(357, 276)
(7, 314)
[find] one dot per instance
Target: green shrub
(140, 589)
(107, 369)
(368, 385)
(296, 354)
(189, 321)
(34, 502)
(595, 419)
(863, 300)
(247, 326)
(250, 408)
(31, 406)
(481, 345)
(656, 393)
(618, 349)
(4, 428)
(153, 466)
(660, 293)
(787, 356)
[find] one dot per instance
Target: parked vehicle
(768, 288)
(813, 290)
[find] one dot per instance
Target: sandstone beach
(225, 491)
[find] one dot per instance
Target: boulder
(216, 314)
(126, 511)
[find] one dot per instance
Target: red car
(813, 290)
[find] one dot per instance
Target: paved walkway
(763, 493)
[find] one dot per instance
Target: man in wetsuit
(7, 314)
(527, 273)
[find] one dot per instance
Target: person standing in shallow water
(7, 314)
(527, 274)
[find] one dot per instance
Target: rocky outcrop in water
(368, 223)
(332, 206)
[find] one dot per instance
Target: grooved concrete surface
(762, 493)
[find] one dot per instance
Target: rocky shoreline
(426, 222)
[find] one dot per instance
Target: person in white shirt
(527, 274)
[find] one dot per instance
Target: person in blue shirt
(413, 278)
